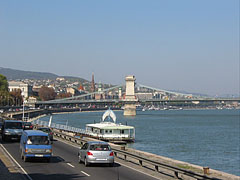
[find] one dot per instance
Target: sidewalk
(8, 169)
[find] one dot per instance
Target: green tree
(5, 99)
(3, 83)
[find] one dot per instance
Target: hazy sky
(190, 45)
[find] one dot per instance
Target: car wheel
(85, 162)
(48, 160)
(4, 138)
(111, 164)
(79, 159)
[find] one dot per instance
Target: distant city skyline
(186, 45)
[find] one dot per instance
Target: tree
(46, 93)
(63, 95)
(4, 94)
(3, 83)
(16, 96)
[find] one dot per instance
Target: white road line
(115, 160)
(68, 143)
(16, 162)
(137, 170)
(71, 165)
(85, 173)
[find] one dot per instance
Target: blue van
(35, 144)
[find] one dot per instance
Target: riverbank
(194, 136)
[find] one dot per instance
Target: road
(64, 165)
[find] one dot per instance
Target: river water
(202, 137)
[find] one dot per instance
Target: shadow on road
(38, 176)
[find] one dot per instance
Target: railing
(61, 127)
(143, 161)
(137, 157)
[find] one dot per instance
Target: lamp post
(23, 118)
(23, 111)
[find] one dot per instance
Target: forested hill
(13, 74)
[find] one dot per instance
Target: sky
(187, 45)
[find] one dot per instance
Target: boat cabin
(111, 131)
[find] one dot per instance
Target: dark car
(47, 130)
(27, 126)
(1, 127)
(12, 129)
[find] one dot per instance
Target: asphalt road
(64, 165)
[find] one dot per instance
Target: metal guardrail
(176, 172)
(61, 127)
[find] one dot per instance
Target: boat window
(122, 131)
(100, 147)
(106, 131)
(110, 131)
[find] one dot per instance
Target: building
(25, 88)
(71, 91)
(60, 79)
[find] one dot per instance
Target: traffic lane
(98, 171)
(39, 169)
(64, 165)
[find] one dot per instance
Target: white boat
(111, 131)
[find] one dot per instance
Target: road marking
(71, 165)
(116, 161)
(16, 162)
(85, 173)
(137, 170)
(68, 143)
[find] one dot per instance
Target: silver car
(96, 152)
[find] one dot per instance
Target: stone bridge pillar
(130, 99)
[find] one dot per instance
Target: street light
(23, 104)
(23, 110)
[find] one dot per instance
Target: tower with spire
(93, 84)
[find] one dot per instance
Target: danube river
(202, 137)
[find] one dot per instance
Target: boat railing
(61, 127)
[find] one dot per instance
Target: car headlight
(48, 150)
(7, 132)
(28, 150)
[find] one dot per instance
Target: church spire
(93, 84)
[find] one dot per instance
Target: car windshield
(13, 125)
(100, 147)
(27, 124)
(38, 140)
(44, 130)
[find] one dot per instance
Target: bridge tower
(130, 99)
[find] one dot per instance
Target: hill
(13, 74)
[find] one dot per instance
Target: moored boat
(111, 131)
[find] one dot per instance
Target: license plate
(38, 155)
(101, 159)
